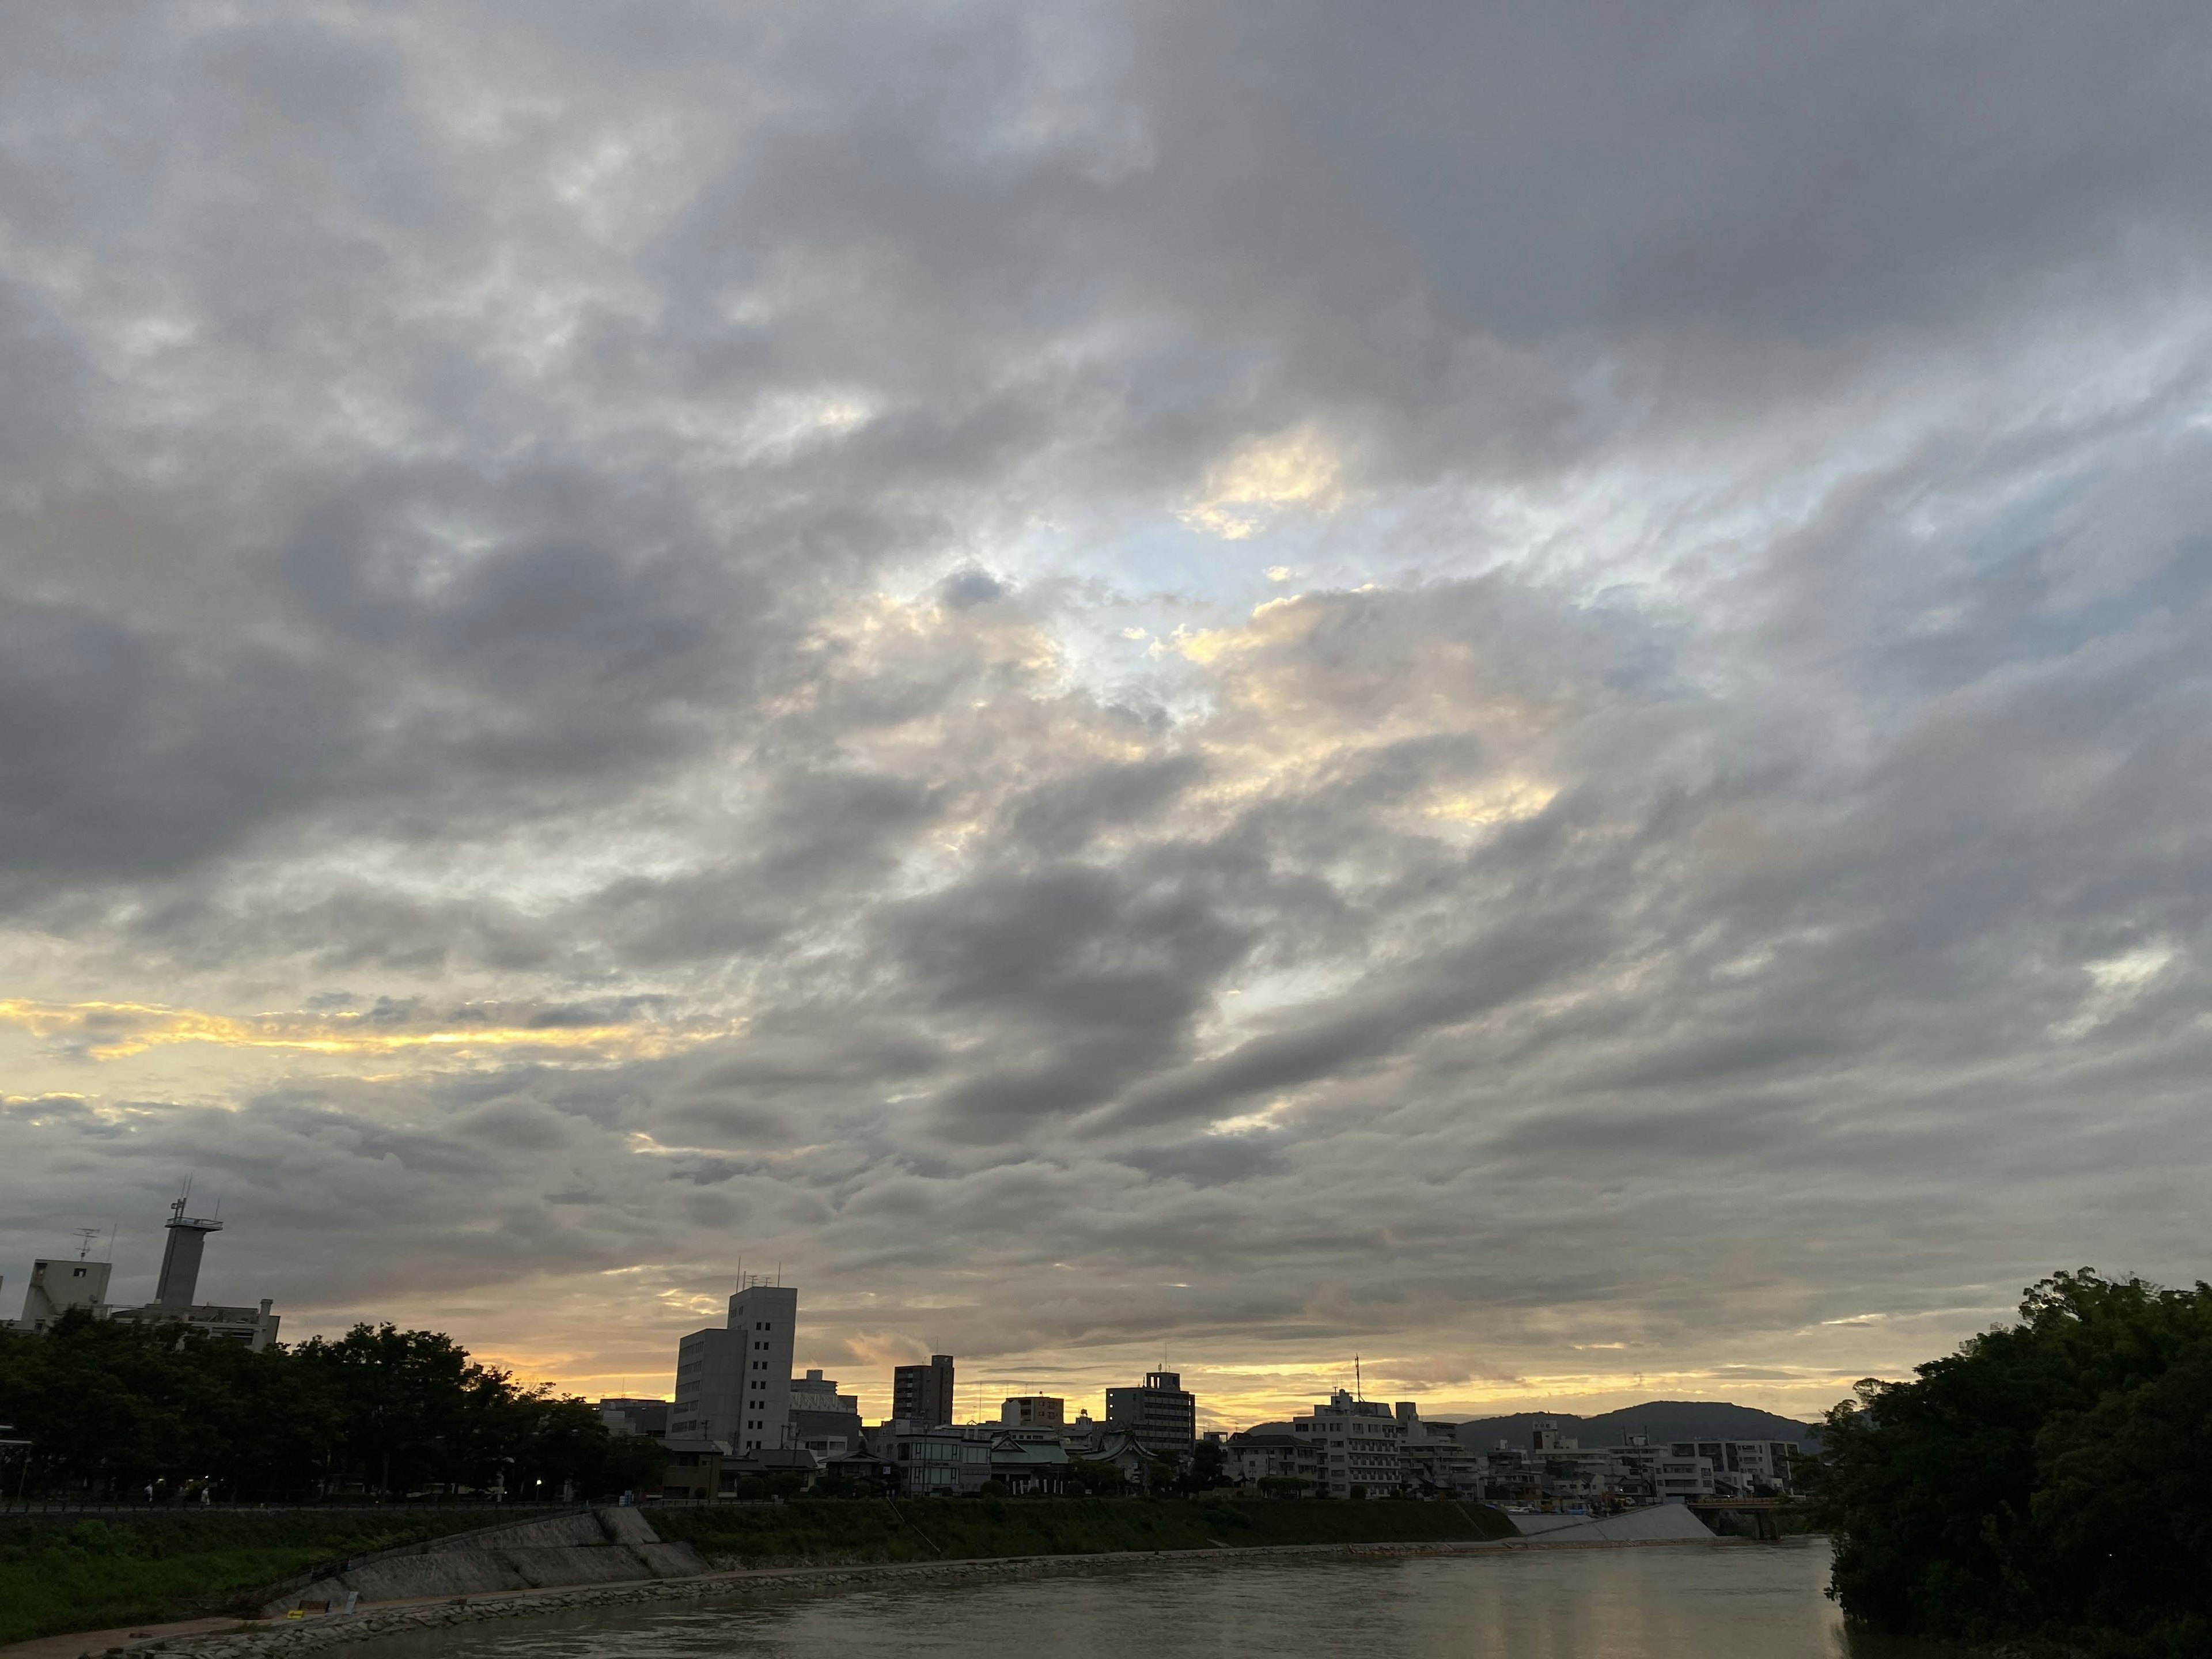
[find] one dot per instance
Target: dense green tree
(2047, 1479)
(114, 1407)
(1096, 1478)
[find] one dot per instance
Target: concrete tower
(180, 1257)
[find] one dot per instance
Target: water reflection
(1747, 1603)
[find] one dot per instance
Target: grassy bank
(828, 1531)
(105, 1571)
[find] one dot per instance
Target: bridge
(1759, 1515)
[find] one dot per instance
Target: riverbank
(126, 1570)
(121, 1568)
(283, 1638)
(839, 1531)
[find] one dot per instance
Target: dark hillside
(1663, 1419)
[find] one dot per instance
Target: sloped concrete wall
(1657, 1523)
(599, 1547)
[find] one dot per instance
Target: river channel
(1751, 1602)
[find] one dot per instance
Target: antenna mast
(85, 1237)
(1358, 1389)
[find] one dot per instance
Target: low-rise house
(764, 1462)
(862, 1470)
(1028, 1467)
(1110, 1443)
(951, 1459)
(694, 1468)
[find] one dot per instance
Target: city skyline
(1521, 692)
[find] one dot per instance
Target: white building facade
(1357, 1445)
(733, 1384)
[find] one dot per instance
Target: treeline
(113, 1409)
(2050, 1481)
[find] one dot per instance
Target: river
(1761, 1602)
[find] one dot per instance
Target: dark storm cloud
(123, 752)
(605, 536)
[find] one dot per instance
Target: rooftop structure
(180, 1256)
(1033, 1411)
(59, 1285)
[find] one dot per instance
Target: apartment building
(1162, 1413)
(923, 1394)
(1743, 1468)
(1359, 1446)
(1434, 1460)
(1248, 1459)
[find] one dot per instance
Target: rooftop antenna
(1358, 1389)
(85, 1238)
(110, 1239)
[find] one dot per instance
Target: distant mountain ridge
(1663, 1419)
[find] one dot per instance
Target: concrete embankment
(595, 1546)
(280, 1638)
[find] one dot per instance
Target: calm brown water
(1749, 1602)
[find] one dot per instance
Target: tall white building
(733, 1384)
(1359, 1446)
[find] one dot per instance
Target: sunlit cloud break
(113, 1030)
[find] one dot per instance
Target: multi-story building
(817, 1393)
(734, 1383)
(1033, 1411)
(1434, 1460)
(942, 1458)
(1162, 1413)
(1556, 1471)
(822, 1420)
(1248, 1459)
(923, 1394)
(1743, 1468)
(1359, 1446)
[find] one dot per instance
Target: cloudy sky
(1525, 691)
